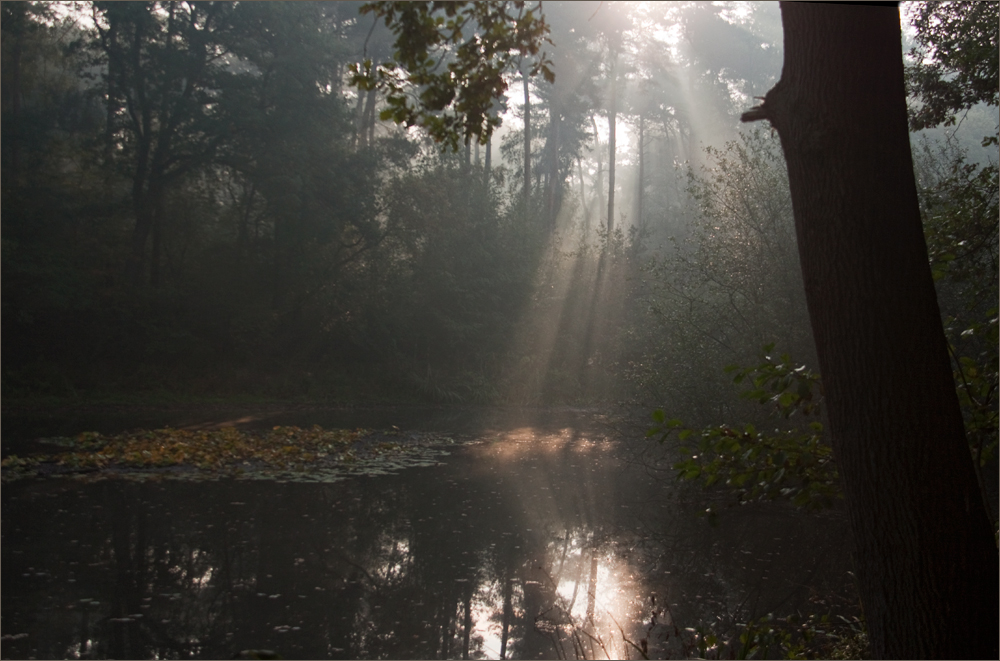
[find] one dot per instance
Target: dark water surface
(541, 541)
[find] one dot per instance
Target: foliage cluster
(794, 463)
(959, 204)
(816, 636)
(489, 40)
(955, 63)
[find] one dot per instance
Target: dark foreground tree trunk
(926, 558)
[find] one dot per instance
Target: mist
(284, 375)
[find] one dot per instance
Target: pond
(542, 538)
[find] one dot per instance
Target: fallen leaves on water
(291, 453)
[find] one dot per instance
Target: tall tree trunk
(449, 633)
(111, 110)
(583, 196)
(370, 120)
(926, 557)
(15, 100)
(358, 120)
(612, 122)
(157, 231)
(148, 189)
(144, 205)
(488, 163)
(508, 612)
(276, 270)
(592, 588)
(642, 175)
(552, 190)
(244, 230)
(527, 141)
(600, 168)
(364, 119)
(467, 622)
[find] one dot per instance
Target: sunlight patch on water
(529, 441)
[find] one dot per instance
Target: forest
(298, 203)
(211, 210)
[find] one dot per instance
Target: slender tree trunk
(15, 101)
(449, 633)
(144, 208)
(612, 122)
(244, 230)
(925, 553)
(467, 622)
(527, 141)
(475, 155)
(552, 192)
(372, 98)
(359, 120)
(508, 612)
(364, 122)
(157, 232)
(148, 190)
(583, 196)
(276, 271)
(592, 588)
(488, 164)
(642, 175)
(111, 111)
(600, 168)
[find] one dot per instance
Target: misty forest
(499, 330)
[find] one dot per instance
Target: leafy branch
(795, 463)
(452, 59)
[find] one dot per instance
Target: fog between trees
(195, 202)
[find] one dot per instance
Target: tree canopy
(955, 62)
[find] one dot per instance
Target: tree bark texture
(925, 553)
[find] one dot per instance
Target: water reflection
(529, 546)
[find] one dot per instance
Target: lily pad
(292, 454)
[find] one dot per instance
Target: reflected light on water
(525, 441)
(586, 601)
